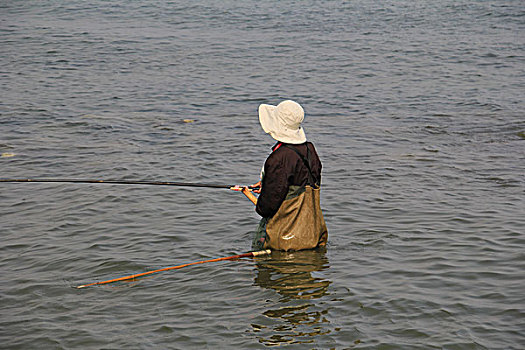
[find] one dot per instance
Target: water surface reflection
(298, 317)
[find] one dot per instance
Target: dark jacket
(284, 168)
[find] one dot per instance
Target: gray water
(416, 109)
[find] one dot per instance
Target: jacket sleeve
(274, 187)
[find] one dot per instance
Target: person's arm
(274, 186)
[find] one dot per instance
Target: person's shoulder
(311, 147)
(310, 144)
(280, 155)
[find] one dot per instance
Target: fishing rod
(130, 277)
(123, 182)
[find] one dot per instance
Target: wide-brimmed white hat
(283, 122)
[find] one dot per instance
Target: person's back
(289, 200)
(282, 169)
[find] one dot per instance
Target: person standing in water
(289, 199)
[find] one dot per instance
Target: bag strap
(306, 162)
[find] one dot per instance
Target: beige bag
(299, 222)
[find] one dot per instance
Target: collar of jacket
(276, 146)
(279, 144)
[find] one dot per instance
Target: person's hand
(256, 188)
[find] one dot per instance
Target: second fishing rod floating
(132, 277)
(123, 182)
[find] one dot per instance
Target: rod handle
(262, 252)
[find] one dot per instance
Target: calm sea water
(416, 109)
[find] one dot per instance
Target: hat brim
(270, 125)
(267, 117)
